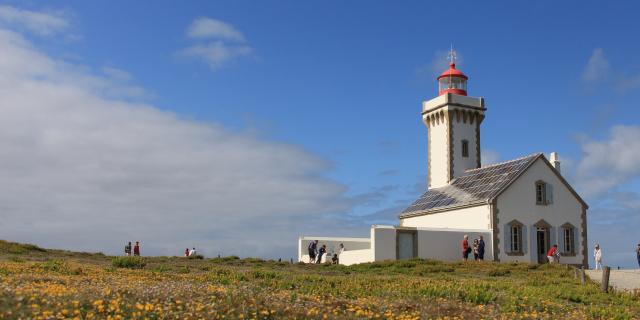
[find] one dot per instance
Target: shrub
(129, 262)
(55, 265)
(18, 248)
(197, 256)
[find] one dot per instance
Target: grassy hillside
(47, 284)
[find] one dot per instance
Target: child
(476, 252)
(597, 255)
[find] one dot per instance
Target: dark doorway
(542, 239)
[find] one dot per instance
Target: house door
(406, 245)
(542, 237)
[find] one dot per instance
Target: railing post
(605, 278)
(583, 276)
(575, 273)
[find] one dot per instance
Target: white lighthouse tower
(453, 122)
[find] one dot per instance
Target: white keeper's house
(521, 207)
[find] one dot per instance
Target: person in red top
(465, 248)
(551, 254)
(136, 249)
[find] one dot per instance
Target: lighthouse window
(465, 148)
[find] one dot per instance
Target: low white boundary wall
(432, 243)
(333, 244)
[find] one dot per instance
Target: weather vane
(452, 55)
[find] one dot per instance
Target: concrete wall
(332, 244)
(463, 131)
(446, 244)
(433, 243)
(518, 202)
(439, 152)
(478, 217)
(383, 242)
(348, 258)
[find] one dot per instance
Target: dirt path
(619, 279)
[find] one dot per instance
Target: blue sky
(341, 84)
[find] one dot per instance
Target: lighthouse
(453, 127)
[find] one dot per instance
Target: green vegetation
(129, 262)
(58, 284)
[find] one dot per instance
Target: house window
(541, 193)
(465, 148)
(568, 238)
(516, 238)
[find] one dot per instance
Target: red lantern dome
(452, 81)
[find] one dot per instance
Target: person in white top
(192, 253)
(597, 255)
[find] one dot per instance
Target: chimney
(554, 160)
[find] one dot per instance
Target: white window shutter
(561, 246)
(576, 240)
(507, 238)
(549, 190)
(524, 239)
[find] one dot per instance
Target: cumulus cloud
(219, 42)
(217, 53)
(212, 28)
(608, 163)
(598, 67)
(42, 23)
(83, 170)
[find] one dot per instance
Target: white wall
(519, 202)
(463, 131)
(383, 242)
(478, 217)
(348, 258)
(446, 244)
(439, 151)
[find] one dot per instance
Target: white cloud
(219, 42)
(116, 74)
(609, 163)
(82, 170)
(598, 67)
(215, 29)
(215, 54)
(38, 22)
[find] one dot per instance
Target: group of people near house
(553, 254)
(136, 249)
(316, 253)
(477, 248)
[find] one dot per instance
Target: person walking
(313, 247)
(192, 253)
(321, 252)
(638, 254)
(465, 248)
(127, 249)
(476, 248)
(597, 255)
(481, 248)
(136, 249)
(186, 252)
(551, 254)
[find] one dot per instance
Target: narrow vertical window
(541, 193)
(569, 241)
(465, 148)
(516, 237)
